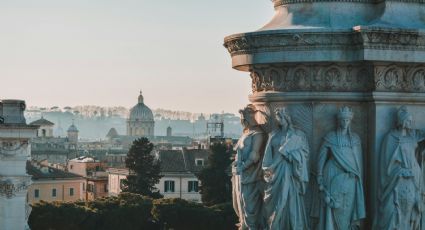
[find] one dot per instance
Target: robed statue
(286, 175)
(400, 192)
(340, 176)
(247, 178)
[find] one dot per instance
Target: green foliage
(144, 169)
(180, 214)
(127, 211)
(51, 216)
(131, 212)
(215, 180)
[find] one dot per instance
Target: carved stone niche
(341, 77)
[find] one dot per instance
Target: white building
(45, 127)
(178, 167)
(15, 150)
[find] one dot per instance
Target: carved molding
(337, 78)
(9, 189)
(364, 77)
(277, 3)
(310, 41)
(396, 78)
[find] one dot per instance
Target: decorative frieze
(400, 78)
(338, 78)
(362, 77)
(9, 189)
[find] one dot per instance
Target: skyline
(104, 52)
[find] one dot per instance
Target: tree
(215, 180)
(144, 170)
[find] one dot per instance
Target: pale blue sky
(102, 52)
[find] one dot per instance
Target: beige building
(94, 173)
(178, 167)
(51, 184)
(115, 180)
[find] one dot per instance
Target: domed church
(140, 121)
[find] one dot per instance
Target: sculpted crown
(345, 112)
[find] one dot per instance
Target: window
(54, 192)
(168, 186)
(192, 186)
(36, 193)
(105, 188)
(84, 186)
(97, 168)
(72, 166)
(90, 187)
(71, 191)
(199, 162)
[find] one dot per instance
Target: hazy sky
(102, 52)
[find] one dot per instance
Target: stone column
(315, 56)
(15, 151)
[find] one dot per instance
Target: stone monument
(15, 150)
(324, 60)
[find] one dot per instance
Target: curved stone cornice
(309, 46)
(277, 3)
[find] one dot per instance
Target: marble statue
(286, 175)
(339, 177)
(400, 194)
(247, 179)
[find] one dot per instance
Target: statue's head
(345, 115)
(283, 118)
(248, 116)
(404, 118)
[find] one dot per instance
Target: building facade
(179, 169)
(52, 184)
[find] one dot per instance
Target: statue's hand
(320, 182)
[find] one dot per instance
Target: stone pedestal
(315, 56)
(15, 151)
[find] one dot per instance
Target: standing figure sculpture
(339, 177)
(286, 175)
(247, 180)
(400, 194)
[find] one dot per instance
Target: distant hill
(94, 122)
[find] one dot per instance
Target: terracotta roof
(41, 122)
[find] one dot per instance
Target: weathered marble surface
(401, 187)
(15, 150)
(340, 177)
(285, 167)
(247, 179)
(316, 56)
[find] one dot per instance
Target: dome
(72, 128)
(141, 112)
